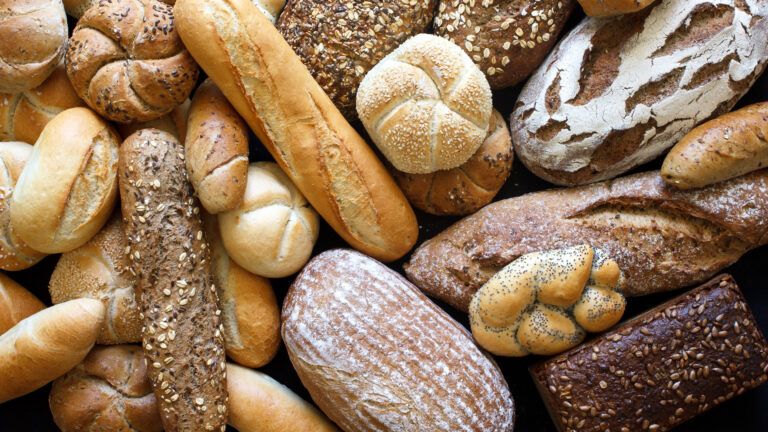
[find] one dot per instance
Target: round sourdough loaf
(426, 105)
(126, 60)
(618, 92)
(373, 350)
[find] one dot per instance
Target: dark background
(746, 413)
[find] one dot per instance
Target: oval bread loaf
(16, 303)
(618, 92)
(370, 369)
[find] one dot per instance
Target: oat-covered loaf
(425, 105)
(662, 238)
(617, 92)
(377, 355)
(545, 302)
(341, 40)
(126, 60)
(507, 39)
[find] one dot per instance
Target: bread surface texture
(370, 369)
(16, 303)
(182, 336)
(662, 238)
(607, 8)
(618, 92)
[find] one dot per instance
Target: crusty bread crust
(16, 303)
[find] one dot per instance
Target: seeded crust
(661, 368)
(182, 335)
(341, 40)
(507, 39)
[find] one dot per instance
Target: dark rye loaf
(662, 238)
(618, 92)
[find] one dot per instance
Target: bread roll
(249, 309)
(100, 270)
(76, 8)
(34, 35)
(273, 231)
(257, 403)
(14, 252)
(46, 345)
(729, 146)
(217, 150)
(16, 303)
(108, 391)
(426, 105)
(605, 8)
(182, 335)
(465, 189)
(68, 187)
(126, 60)
(323, 155)
(175, 123)
(23, 115)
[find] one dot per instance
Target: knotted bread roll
(126, 60)
(273, 231)
(426, 105)
(543, 302)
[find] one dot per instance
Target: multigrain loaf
(340, 40)
(16, 303)
(662, 238)
(292, 116)
(604, 8)
(370, 369)
(425, 105)
(182, 335)
(617, 92)
(507, 39)
(126, 60)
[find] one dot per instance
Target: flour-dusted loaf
(617, 92)
(662, 238)
(377, 355)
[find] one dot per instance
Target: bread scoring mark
(703, 22)
(652, 92)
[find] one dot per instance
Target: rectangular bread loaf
(662, 238)
(661, 368)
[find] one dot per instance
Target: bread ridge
(662, 238)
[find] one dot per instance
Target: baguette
(16, 303)
(721, 149)
(46, 345)
(325, 157)
(662, 238)
(182, 335)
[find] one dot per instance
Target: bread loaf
(729, 146)
(662, 239)
(46, 345)
(23, 115)
(467, 188)
(604, 8)
(100, 270)
(182, 333)
(425, 105)
(370, 369)
(617, 92)
(16, 303)
(217, 150)
(340, 47)
(273, 231)
(507, 39)
(34, 35)
(14, 252)
(67, 189)
(126, 60)
(108, 391)
(175, 123)
(323, 155)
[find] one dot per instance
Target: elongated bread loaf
(325, 157)
(377, 355)
(16, 303)
(182, 335)
(662, 238)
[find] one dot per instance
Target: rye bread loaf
(182, 335)
(662, 238)
(617, 92)
(377, 355)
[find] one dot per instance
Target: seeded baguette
(182, 335)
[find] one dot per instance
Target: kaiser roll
(76, 8)
(426, 105)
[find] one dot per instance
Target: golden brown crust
(292, 116)
(16, 303)
(175, 123)
(182, 334)
(606, 8)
